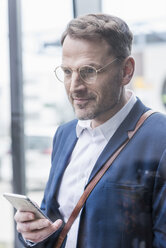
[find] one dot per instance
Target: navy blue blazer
(127, 208)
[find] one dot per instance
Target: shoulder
(158, 121)
(155, 129)
(64, 137)
(65, 129)
(68, 125)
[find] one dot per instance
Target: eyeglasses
(87, 73)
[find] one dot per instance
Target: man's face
(102, 99)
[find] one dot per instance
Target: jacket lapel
(66, 147)
(120, 136)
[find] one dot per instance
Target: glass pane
(44, 97)
(6, 227)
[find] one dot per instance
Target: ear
(128, 70)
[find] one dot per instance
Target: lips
(80, 100)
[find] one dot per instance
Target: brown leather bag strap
(96, 179)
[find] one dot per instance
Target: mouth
(80, 100)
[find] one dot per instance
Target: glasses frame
(78, 70)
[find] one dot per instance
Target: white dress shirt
(89, 146)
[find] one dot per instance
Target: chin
(81, 117)
(84, 116)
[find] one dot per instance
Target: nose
(76, 82)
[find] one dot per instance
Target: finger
(57, 224)
(21, 216)
(39, 235)
(30, 226)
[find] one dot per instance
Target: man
(127, 208)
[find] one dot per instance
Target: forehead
(82, 51)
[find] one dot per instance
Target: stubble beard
(93, 109)
(85, 112)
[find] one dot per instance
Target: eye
(67, 71)
(87, 70)
(87, 73)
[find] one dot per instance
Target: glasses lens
(88, 73)
(59, 74)
(63, 74)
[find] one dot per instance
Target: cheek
(109, 92)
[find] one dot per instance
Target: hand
(35, 230)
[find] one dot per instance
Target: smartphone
(23, 203)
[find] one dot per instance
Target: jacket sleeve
(49, 242)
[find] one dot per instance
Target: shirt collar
(81, 125)
(109, 127)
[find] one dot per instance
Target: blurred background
(33, 103)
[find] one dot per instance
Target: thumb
(57, 224)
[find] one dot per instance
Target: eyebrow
(95, 65)
(88, 64)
